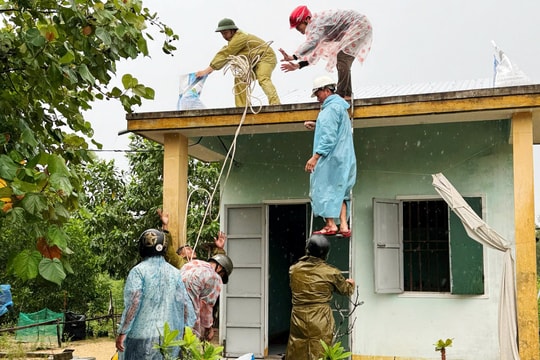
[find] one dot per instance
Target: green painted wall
(391, 160)
(396, 162)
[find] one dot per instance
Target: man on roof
(240, 43)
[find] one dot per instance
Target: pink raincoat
(332, 31)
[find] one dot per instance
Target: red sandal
(325, 231)
(345, 234)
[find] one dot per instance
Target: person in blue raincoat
(333, 163)
(154, 294)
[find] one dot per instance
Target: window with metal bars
(425, 246)
(420, 245)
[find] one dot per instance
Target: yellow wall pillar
(527, 306)
(175, 171)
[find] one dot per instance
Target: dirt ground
(100, 349)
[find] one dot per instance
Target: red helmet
(299, 15)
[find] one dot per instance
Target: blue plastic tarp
(5, 298)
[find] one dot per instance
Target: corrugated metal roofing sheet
(375, 91)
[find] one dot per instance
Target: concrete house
(420, 277)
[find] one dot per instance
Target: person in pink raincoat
(203, 281)
(338, 36)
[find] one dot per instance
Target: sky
(414, 42)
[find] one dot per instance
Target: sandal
(326, 231)
(345, 234)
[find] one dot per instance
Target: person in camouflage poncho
(313, 282)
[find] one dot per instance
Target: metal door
(243, 320)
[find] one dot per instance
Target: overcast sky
(414, 41)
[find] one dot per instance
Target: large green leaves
(25, 264)
(52, 270)
(56, 59)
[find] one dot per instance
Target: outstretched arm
(286, 57)
(220, 240)
(164, 217)
(204, 72)
(289, 66)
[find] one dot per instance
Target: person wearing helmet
(154, 294)
(313, 282)
(332, 166)
(204, 280)
(338, 36)
(240, 43)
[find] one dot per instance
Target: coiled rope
(242, 67)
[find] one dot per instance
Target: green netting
(42, 333)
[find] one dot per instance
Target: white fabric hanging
(478, 230)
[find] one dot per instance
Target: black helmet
(318, 246)
(226, 264)
(152, 243)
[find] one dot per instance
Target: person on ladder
(332, 166)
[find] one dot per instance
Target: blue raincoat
(154, 294)
(335, 173)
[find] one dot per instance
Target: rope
(241, 66)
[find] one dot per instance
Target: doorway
(288, 226)
(288, 229)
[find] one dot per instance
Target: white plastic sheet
(248, 356)
(506, 73)
(190, 92)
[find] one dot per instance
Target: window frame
(388, 248)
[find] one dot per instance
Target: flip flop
(325, 231)
(345, 234)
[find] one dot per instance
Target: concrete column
(527, 306)
(175, 171)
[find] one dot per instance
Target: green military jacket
(243, 44)
(313, 282)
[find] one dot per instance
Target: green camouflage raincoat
(313, 282)
(251, 46)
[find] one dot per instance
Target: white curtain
(478, 230)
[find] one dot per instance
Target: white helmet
(322, 82)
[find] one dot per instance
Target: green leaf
(25, 264)
(57, 165)
(103, 34)
(52, 270)
(28, 137)
(67, 265)
(61, 211)
(5, 192)
(23, 187)
(116, 92)
(129, 81)
(8, 169)
(33, 37)
(85, 74)
(150, 94)
(170, 335)
(61, 182)
(67, 58)
(34, 204)
(57, 236)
